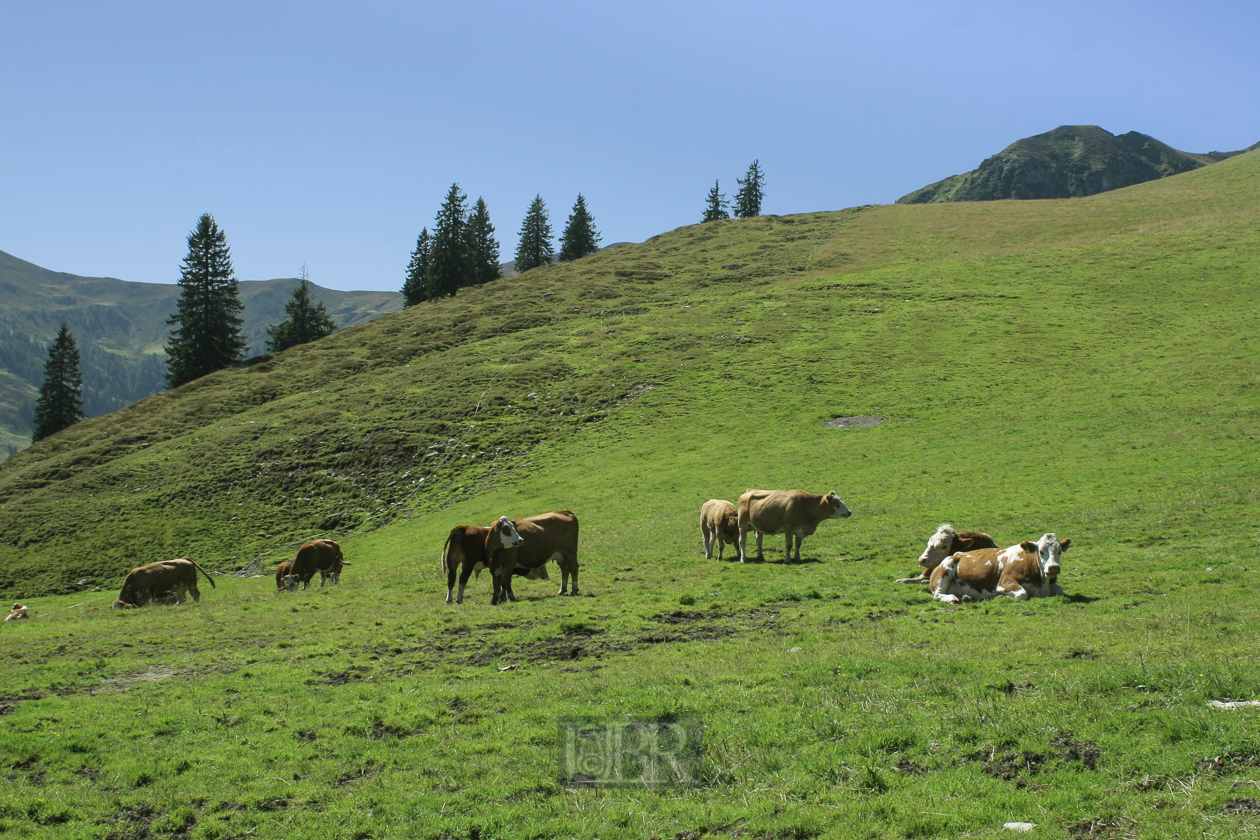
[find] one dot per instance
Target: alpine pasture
(1087, 367)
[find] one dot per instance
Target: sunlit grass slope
(1087, 367)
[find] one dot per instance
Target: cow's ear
(1029, 546)
(1063, 546)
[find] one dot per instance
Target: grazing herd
(958, 566)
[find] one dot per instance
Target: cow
(1027, 570)
(162, 582)
(719, 522)
(466, 547)
(527, 544)
(793, 513)
(18, 612)
(323, 556)
(944, 542)
(285, 579)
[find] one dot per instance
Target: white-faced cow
(163, 582)
(944, 542)
(1027, 570)
(323, 556)
(793, 513)
(17, 613)
(465, 552)
(527, 545)
(286, 581)
(719, 522)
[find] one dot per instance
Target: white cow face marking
(937, 547)
(838, 510)
(1048, 551)
(507, 533)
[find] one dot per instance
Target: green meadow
(1087, 367)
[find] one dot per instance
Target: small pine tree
(580, 237)
(416, 287)
(307, 321)
(534, 248)
(715, 207)
(748, 199)
(60, 403)
(207, 334)
(450, 259)
(482, 244)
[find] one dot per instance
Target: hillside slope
(120, 328)
(1069, 162)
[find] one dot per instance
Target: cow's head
(290, 583)
(1048, 549)
(505, 533)
(938, 547)
(838, 510)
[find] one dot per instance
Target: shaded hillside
(121, 328)
(1069, 162)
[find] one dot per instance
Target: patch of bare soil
(1012, 767)
(1228, 761)
(1100, 829)
(857, 421)
(1083, 752)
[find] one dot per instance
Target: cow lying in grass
(286, 581)
(323, 556)
(1027, 570)
(18, 612)
(943, 543)
(162, 582)
(719, 523)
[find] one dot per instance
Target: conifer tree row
(461, 251)
(747, 199)
(60, 403)
(207, 334)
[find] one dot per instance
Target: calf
(793, 513)
(323, 556)
(943, 543)
(286, 581)
(719, 522)
(1027, 570)
(527, 545)
(161, 582)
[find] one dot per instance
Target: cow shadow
(1080, 599)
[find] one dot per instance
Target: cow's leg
(451, 571)
(193, 591)
(464, 574)
(708, 542)
(743, 543)
(787, 551)
(798, 549)
(721, 546)
(565, 571)
(759, 554)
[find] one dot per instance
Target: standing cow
(943, 543)
(527, 545)
(1027, 570)
(719, 522)
(465, 552)
(323, 556)
(793, 513)
(164, 581)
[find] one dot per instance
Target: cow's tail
(204, 572)
(446, 547)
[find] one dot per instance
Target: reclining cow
(793, 513)
(465, 552)
(18, 613)
(286, 581)
(943, 543)
(719, 523)
(1027, 570)
(527, 545)
(163, 582)
(323, 556)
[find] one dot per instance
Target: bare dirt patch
(856, 421)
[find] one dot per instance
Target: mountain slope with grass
(1069, 162)
(121, 329)
(1086, 367)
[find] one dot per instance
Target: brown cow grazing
(323, 556)
(527, 545)
(19, 612)
(793, 513)
(164, 582)
(943, 543)
(719, 522)
(1027, 570)
(285, 579)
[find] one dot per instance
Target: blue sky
(328, 133)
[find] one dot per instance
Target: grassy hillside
(120, 328)
(1086, 367)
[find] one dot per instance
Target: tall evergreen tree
(580, 237)
(60, 402)
(417, 287)
(450, 259)
(207, 334)
(534, 248)
(481, 241)
(748, 199)
(307, 321)
(715, 206)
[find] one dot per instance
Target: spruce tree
(416, 287)
(580, 237)
(482, 244)
(207, 334)
(715, 206)
(450, 259)
(748, 199)
(534, 248)
(307, 321)
(60, 403)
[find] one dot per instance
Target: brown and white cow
(285, 579)
(793, 513)
(17, 613)
(465, 553)
(162, 582)
(323, 556)
(1027, 570)
(527, 545)
(944, 542)
(719, 522)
